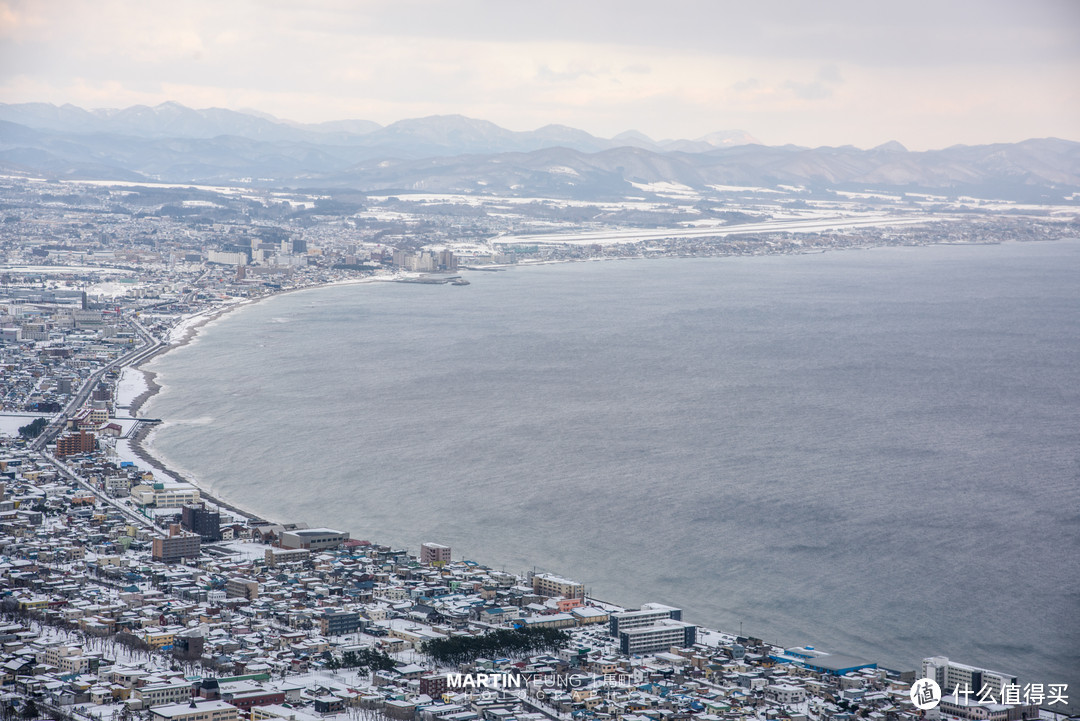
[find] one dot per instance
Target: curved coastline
(139, 442)
(190, 333)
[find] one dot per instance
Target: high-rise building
(178, 546)
(950, 674)
(72, 443)
(434, 553)
(648, 615)
(549, 585)
(337, 623)
(658, 637)
(197, 518)
(447, 260)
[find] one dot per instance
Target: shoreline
(190, 333)
(139, 440)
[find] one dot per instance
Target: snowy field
(638, 235)
(63, 269)
(245, 552)
(10, 423)
(124, 452)
(131, 385)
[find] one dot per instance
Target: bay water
(874, 452)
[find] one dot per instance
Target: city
(130, 592)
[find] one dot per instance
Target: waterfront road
(149, 347)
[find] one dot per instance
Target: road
(151, 346)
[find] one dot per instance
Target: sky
(812, 73)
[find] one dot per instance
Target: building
(72, 443)
(188, 645)
(433, 685)
(89, 418)
(950, 674)
(586, 615)
(549, 585)
(160, 694)
(447, 260)
(973, 711)
(238, 587)
(222, 257)
(313, 539)
(336, 623)
(245, 695)
(657, 638)
(648, 615)
(784, 693)
(834, 664)
(76, 298)
(165, 495)
(159, 637)
(275, 557)
(434, 553)
(176, 547)
(555, 620)
(198, 519)
(192, 711)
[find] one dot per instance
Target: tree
(516, 642)
(33, 429)
(30, 710)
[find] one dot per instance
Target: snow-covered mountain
(454, 153)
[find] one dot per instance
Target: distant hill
(420, 137)
(453, 153)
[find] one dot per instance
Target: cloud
(951, 71)
(743, 86)
(546, 74)
(829, 74)
(815, 90)
(821, 88)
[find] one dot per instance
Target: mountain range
(173, 143)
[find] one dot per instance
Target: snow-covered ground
(126, 424)
(669, 190)
(110, 289)
(124, 452)
(131, 385)
(63, 269)
(10, 423)
(246, 552)
(743, 189)
(641, 234)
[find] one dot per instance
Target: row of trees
(364, 658)
(504, 643)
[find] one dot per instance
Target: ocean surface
(874, 452)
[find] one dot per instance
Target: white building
(314, 539)
(784, 693)
(224, 258)
(165, 495)
(950, 674)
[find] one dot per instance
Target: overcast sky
(929, 74)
